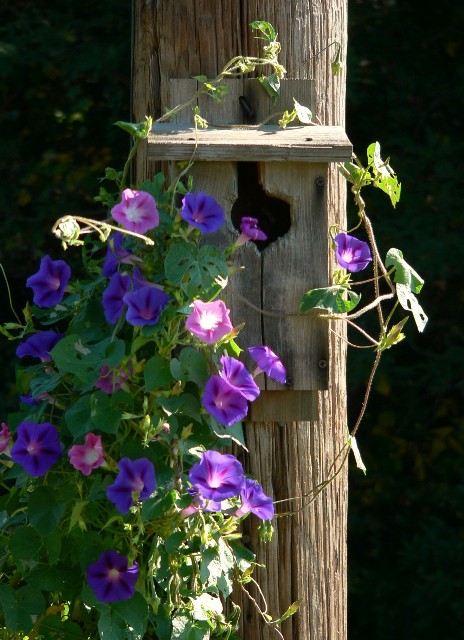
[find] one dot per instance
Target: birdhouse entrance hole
(273, 214)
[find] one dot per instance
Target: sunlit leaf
(336, 299)
(404, 273)
(357, 455)
(265, 28)
(304, 114)
(394, 336)
(292, 609)
(409, 302)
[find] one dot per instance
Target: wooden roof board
(238, 143)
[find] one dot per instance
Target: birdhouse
(278, 176)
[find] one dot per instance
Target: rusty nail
(319, 181)
(322, 364)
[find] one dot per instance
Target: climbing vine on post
(120, 511)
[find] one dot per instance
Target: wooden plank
(241, 143)
(292, 265)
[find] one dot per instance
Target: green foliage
(58, 520)
(338, 299)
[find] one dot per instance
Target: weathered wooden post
(295, 435)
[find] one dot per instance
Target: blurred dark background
(64, 81)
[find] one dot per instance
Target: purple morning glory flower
(202, 211)
(111, 578)
(37, 447)
(116, 255)
(351, 253)
(223, 401)
(235, 373)
(50, 281)
(137, 211)
(134, 477)
(217, 476)
(145, 305)
(269, 363)
(39, 345)
(250, 231)
(113, 296)
(255, 500)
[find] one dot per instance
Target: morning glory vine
(121, 512)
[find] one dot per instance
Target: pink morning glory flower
(5, 438)
(255, 500)
(224, 402)
(136, 479)
(202, 211)
(111, 578)
(88, 456)
(235, 373)
(217, 476)
(50, 282)
(39, 345)
(199, 502)
(269, 363)
(137, 211)
(112, 380)
(250, 231)
(351, 253)
(37, 447)
(209, 321)
(145, 305)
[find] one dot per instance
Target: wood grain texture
(307, 556)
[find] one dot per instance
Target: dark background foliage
(65, 78)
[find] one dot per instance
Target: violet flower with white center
(269, 363)
(209, 321)
(137, 211)
(111, 578)
(352, 254)
(135, 480)
(235, 373)
(250, 231)
(113, 296)
(88, 456)
(50, 282)
(255, 500)
(145, 305)
(224, 402)
(217, 476)
(6, 438)
(202, 211)
(39, 345)
(37, 447)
